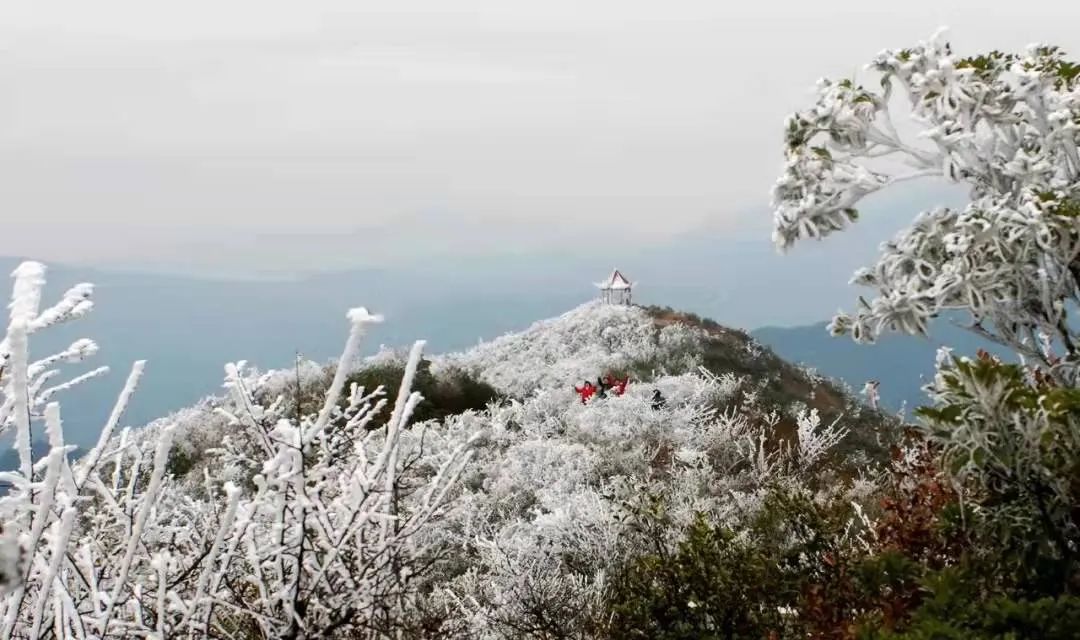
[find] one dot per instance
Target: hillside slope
(540, 516)
(648, 343)
(582, 344)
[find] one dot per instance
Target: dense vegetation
(450, 393)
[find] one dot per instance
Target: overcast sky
(219, 134)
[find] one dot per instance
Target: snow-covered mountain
(541, 501)
(592, 340)
(701, 369)
(538, 484)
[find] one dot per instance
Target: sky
(225, 136)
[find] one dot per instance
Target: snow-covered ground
(579, 345)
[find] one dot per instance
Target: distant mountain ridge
(901, 363)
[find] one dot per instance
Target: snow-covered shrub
(1016, 447)
(542, 514)
(325, 539)
(450, 391)
(27, 386)
(745, 577)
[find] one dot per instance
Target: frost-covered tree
(1004, 125)
(1007, 127)
(310, 526)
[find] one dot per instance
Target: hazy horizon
(737, 279)
(245, 137)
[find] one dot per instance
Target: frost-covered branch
(1006, 126)
(307, 543)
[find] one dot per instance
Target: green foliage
(989, 66)
(451, 393)
(1051, 60)
(742, 580)
(1013, 440)
(956, 609)
(180, 462)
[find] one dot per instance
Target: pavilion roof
(616, 281)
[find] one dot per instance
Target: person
(620, 385)
(585, 391)
(658, 400)
(602, 387)
(870, 390)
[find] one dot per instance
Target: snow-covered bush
(324, 539)
(746, 577)
(1016, 447)
(543, 511)
(1004, 125)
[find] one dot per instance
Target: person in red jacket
(620, 385)
(586, 391)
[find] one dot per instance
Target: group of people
(610, 384)
(604, 384)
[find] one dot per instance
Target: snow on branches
(543, 511)
(307, 526)
(1004, 125)
(23, 390)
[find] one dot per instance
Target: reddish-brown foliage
(911, 516)
(908, 539)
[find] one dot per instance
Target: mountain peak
(647, 343)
